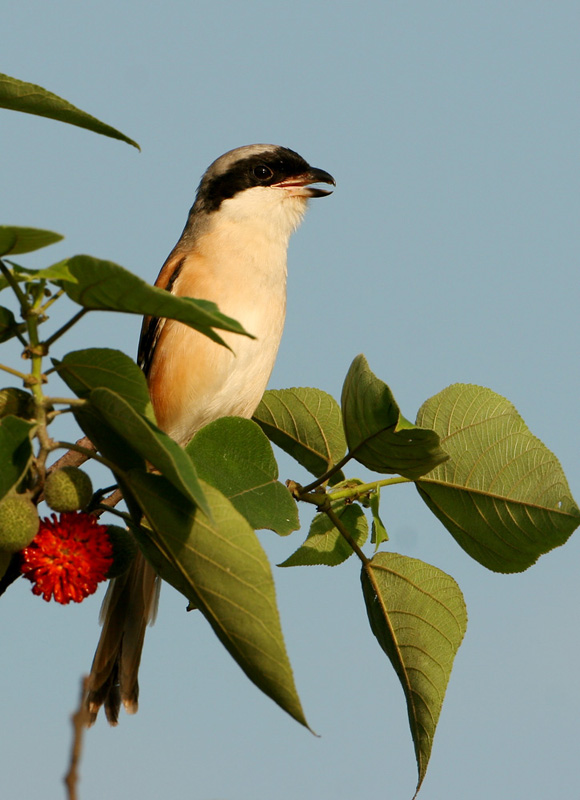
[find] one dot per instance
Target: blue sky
(448, 252)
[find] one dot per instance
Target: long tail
(129, 606)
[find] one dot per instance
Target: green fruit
(18, 523)
(17, 402)
(124, 550)
(68, 489)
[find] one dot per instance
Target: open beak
(300, 185)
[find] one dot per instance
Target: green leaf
(84, 370)
(105, 286)
(16, 240)
(150, 443)
(306, 424)
(36, 276)
(378, 436)
(225, 573)
(15, 451)
(31, 99)
(8, 325)
(152, 546)
(419, 618)
(56, 272)
(236, 457)
(502, 495)
(325, 544)
(115, 449)
(378, 530)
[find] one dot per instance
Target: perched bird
(233, 252)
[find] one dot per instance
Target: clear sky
(448, 252)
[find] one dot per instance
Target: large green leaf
(105, 286)
(31, 99)
(114, 448)
(15, 451)
(419, 617)
(306, 424)
(325, 544)
(15, 240)
(502, 495)
(151, 443)
(84, 370)
(378, 436)
(224, 572)
(236, 457)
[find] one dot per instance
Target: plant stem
(22, 375)
(328, 474)
(13, 283)
(72, 321)
(35, 379)
(322, 501)
(50, 301)
(75, 402)
(335, 519)
(36, 355)
(102, 507)
(360, 489)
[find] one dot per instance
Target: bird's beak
(300, 185)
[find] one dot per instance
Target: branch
(74, 458)
(80, 721)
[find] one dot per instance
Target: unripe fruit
(124, 550)
(18, 523)
(17, 402)
(68, 489)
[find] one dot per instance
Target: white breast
(239, 262)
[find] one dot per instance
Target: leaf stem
(360, 489)
(85, 451)
(22, 375)
(75, 402)
(105, 507)
(72, 321)
(50, 301)
(336, 521)
(328, 474)
(322, 501)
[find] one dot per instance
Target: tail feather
(129, 606)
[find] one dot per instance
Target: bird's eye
(262, 172)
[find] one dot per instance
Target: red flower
(68, 557)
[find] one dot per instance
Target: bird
(232, 251)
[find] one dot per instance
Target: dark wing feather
(152, 326)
